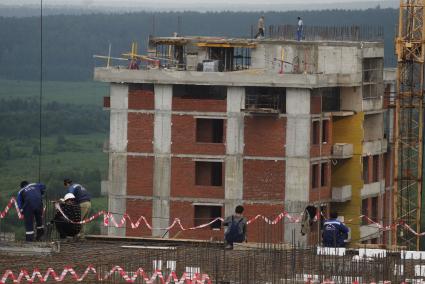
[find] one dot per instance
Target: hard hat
(69, 196)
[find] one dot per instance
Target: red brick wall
(140, 175)
(321, 192)
(183, 137)
(265, 136)
(137, 208)
(140, 130)
(263, 179)
(315, 104)
(186, 212)
(259, 231)
(106, 102)
(141, 99)
(183, 181)
(199, 105)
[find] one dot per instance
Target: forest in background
(70, 41)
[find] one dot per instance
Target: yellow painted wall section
(349, 171)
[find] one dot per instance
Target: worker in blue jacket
(30, 203)
(82, 198)
(334, 232)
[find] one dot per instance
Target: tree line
(70, 41)
(19, 118)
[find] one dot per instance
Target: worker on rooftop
(30, 203)
(235, 228)
(68, 213)
(261, 27)
(300, 29)
(82, 197)
(334, 232)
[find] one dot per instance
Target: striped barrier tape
(109, 219)
(129, 277)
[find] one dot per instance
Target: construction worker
(82, 197)
(261, 26)
(235, 231)
(69, 211)
(334, 232)
(30, 203)
(300, 29)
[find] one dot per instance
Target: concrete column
(234, 149)
(162, 164)
(117, 156)
(297, 174)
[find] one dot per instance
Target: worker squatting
(75, 205)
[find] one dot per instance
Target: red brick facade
(263, 176)
(140, 132)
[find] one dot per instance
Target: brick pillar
(297, 174)
(117, 157)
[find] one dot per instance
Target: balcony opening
(315, 176)
(199, 92)
(376, 167)
(209, 130)
(366, 169)
(316, 132)
(373, 85)
(374, 207)
(325, 131)
(209, 173)
(324, 174)
(265, 99)
(207, 213)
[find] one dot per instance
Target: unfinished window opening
(227, 59)
(324, 174)
(171, 55)
(141, 87)
(325, 131)
(200, 92)
(316, 132)
(373, 77)
(331, 99)
(315, 176)
(209, 130)
(376, 166)
(208, 173)
(374, 209)
(366, 169)
(265, 99)
(207, 213)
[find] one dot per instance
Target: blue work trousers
(29, 215)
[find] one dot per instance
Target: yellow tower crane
(410, 50)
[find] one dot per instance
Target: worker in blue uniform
(30, 203)
(82, 197)
(334, 232)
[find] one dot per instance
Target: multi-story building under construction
(204, 124)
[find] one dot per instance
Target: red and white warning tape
(109, 219)
(129, 277)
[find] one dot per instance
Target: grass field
(82, 93)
